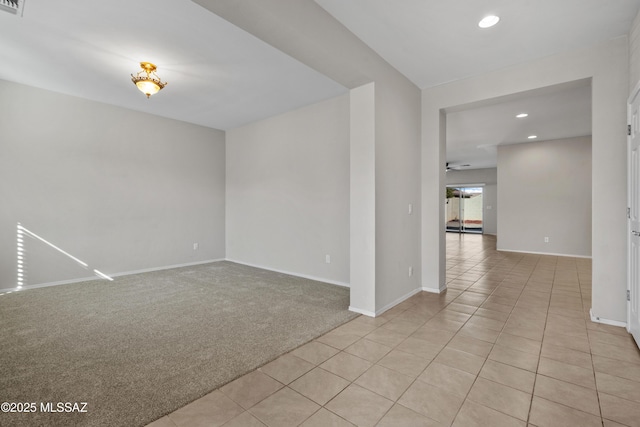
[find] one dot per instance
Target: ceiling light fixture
(532, 136)
(147, 80)
(488, 21)
(522, 115)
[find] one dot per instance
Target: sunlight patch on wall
(21, 270)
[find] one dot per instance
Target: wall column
(434, 150)
(363, 200)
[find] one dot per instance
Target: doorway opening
(464, 209)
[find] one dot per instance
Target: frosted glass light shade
(148, 87)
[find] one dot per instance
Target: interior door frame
(446, 226)
(634, 128)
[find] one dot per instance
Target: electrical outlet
(195, 246)
(410, 271)
(410, 210)
(327, 259)
(546, 240)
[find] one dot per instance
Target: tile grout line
(593, 367)
(492, 344)
(534, 268)
(501, 331)
(546, 318)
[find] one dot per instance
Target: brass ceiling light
(147, 80)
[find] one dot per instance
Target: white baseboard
(545, 253)
(125, 273)
(597, 319)
(433, 290)
(386, 307)
(364, 312)
(290, 273)
(397, 301)
(168, 267)
(45, 285)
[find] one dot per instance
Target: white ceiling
(218, 75)
(433, 42)
(474, 133)
(222, 77)
(438, 41)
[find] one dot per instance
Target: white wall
(311, 35)
(634, 53)
(362, 253)
(608, 68)
(288, 192)
(397, 185)
(488, 177)
(118, 189)
(544, 190)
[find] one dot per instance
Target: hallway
(509, 344)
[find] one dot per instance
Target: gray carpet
(137, 348)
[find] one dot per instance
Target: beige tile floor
(509, 344)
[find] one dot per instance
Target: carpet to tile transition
(144, 345)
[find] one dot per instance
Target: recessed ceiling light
(522, 115)
(488, 21)
(532, 136)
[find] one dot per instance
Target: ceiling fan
(455, 167)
